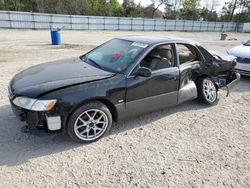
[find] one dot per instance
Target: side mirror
(243, 42)
(143, 71)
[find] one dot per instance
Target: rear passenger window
(160, 57)
(187, 53)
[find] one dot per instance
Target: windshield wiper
(92, 61)
(97, 65)
(83, 57)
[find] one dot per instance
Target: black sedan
(124, 77)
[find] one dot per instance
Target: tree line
(233, 10)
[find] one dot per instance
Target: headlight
(34, 104)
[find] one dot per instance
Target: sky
(202, 2)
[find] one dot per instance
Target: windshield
(115, 55)
(247, 43)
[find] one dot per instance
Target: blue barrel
(55, 37)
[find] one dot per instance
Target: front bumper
(19, 112)
(37, 119)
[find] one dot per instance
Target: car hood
(240, 51)
(46, 77)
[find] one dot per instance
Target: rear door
(145, 94)
(189, 60)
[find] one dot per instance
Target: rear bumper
(229, 86)
(243, 72)
(243, 68)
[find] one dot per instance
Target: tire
(89, 122)
(207, 91)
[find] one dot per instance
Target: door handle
(175, 77)
(170, 77)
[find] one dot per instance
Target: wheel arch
(198, 77)
(105, 101)
(200, 90)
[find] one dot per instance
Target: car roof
(155, 39)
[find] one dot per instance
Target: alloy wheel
(209, 90)
(91, 124)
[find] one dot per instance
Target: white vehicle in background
(242, 53)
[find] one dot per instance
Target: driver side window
(160, 57)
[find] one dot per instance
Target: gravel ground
(190, 145)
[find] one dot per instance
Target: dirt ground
(190, 145)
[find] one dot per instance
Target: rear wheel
(89, 122)
(207, 92)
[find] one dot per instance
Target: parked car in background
(242, 53)
(124, 77)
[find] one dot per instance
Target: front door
(146, 94)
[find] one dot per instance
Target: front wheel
(89, 122)
(207, 92)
